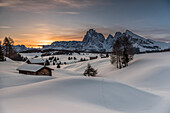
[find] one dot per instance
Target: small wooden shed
(33, 69)
(38, 61)
(93, 57)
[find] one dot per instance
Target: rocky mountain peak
(117, 34)
(94, 41)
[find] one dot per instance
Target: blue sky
(45, 21)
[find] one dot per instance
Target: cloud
(4, 27)
(71, 13)
(159, 37)
(41, 6)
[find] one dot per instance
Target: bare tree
(9, 51)
(122, 51)
(8, 43)
(116, 53)
(128, 50)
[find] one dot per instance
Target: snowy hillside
(94, 41)
(142, 87)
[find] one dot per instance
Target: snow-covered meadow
(142, 87)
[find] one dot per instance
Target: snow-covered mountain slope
(64, 45)
(133, 89)
(94, 41)
(19, 48)
(146, 44)
(111, 40)
(22, 48)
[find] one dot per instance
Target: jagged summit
(130, 33)
(109, 41)
(109, 37)
(117, 34)
(92, 34)
(94, 41)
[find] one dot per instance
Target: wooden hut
(33, 69)
(93, 57)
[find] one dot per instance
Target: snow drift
(142, 87)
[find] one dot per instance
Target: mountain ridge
(94, 41)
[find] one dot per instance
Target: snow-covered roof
(36, 60)
(30, 67)
(93, 56)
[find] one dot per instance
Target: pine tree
(75, 58)
(53, 63)
(47, 63)
(69, 58)
(58, 65)
(107, 55)
(1, 54)
(90, 71)
(55, 59)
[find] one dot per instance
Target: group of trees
(83, 59)
(8, 43)
(55, 61)
(2, 58)
(7, 50)
(123, 51)
(70, 58)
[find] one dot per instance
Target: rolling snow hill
(142, 87)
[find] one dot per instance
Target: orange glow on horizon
(39, 44)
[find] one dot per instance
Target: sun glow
(44, 42)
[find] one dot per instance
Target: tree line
(6, 50)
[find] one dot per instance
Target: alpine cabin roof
(36, 60)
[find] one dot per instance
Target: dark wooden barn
(33, 69)
(93, 57)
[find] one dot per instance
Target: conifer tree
(58, 65)
(53, 63)
(55, 59)
(1, 54)
(75, 58)
(107, 55)
(90, 71)
(47, 63)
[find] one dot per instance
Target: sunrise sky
(41, 22)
